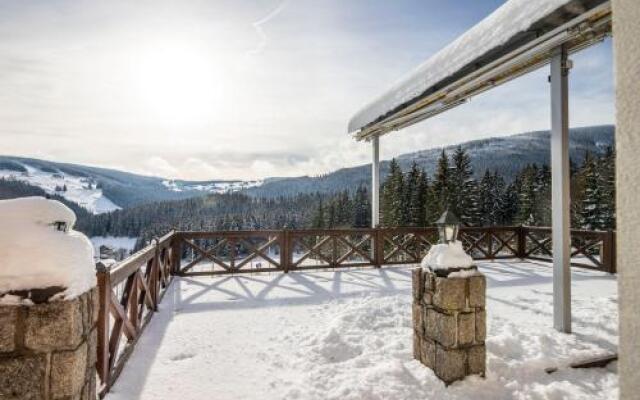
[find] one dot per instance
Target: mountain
(508, 154)
(100, 190)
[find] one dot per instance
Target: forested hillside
(508, 154)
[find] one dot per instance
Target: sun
(178, 82)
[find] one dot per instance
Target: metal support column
(375, 182)
(560, 202)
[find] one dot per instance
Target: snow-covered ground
(80, 190)
(347, 335)
(211, 187)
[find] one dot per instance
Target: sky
(247, 89)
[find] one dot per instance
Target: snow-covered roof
(516, 38)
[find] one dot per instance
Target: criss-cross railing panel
(405, 245)
(214, 253)
(312, 249)
(589, 249)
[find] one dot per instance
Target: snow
(445, 256)
(496, 29)
(35, 255)
(348, 335)
(78, 190)
(211, 187)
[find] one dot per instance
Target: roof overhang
(576, 24)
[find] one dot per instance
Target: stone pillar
(449, 322)
(48, 350)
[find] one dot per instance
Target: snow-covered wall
(626, 33)
(35, 255)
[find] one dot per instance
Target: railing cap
(102, 267)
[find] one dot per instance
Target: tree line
(413, 198)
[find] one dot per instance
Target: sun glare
(178, 82)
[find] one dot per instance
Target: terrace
(253, 298)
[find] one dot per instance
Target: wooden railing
(130, 291)
(213, 253)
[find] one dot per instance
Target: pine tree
(393, 194)
(462, 188)
(318, 217)
(415, 188)
(441, 184)
(607, 167)
(361, 208)
(526, 195)
(592, 210)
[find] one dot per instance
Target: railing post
(103, 275)
(285, 251)
(489, 239)
(176, 253)
(154, 285)
(378, 246)
(609, 252)
(522, 242)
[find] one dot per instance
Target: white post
(375, 182)
(560, 202)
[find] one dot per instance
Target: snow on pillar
(375, 182)
(560, 202)
(48, 303)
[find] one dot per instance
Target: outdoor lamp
(448, 225)
(60, 226)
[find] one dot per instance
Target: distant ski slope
(80, 190)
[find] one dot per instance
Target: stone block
(466, 328)
(427, 298)
(95, 306)
(23, 377)
(8, 321)
(481, 326)
(417, 283)
(68, 372)
(450, 364)
(54, 326)
(477, 360)
(92, 346)
(477, 290)
(441, 327)
(450, 293)
(429, 283)
(417, 346)
(418, 314)
(428, 355)
(430, 328)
